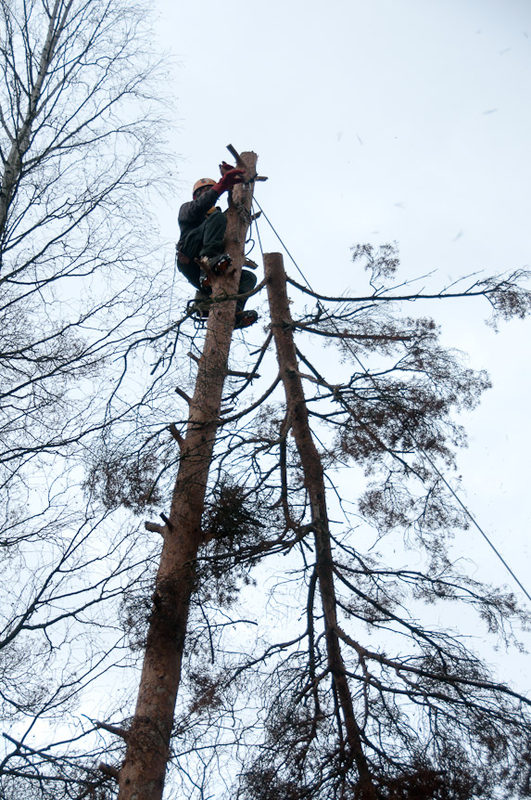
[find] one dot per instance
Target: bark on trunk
(282, 326)
(142, 774)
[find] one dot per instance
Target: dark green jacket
(192, 214)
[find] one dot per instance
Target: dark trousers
(247, 284)
(208, 240)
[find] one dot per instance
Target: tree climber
(200, 250)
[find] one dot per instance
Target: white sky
(406, 120)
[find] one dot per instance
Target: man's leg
(202, 304)
(192, 248)
(245, 318)
(193, 242)
(213, 235)
(247, 284)
(190, 271)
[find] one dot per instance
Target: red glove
(228, 180)
(224, 167)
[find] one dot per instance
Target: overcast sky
(390, 120)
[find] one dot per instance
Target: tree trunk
(282, 326)
(142, 774)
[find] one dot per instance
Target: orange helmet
(202, 182)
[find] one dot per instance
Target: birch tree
(80, 150)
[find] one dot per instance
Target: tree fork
(282, 326)
(143, 771)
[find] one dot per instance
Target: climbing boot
(204, 281)
(245, 318)
(216, 264)
(200, 305)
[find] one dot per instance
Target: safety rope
(170, 304)
(303, 276)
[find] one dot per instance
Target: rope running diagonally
(301, 273)
(421, 450)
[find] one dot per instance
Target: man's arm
(194, 212)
